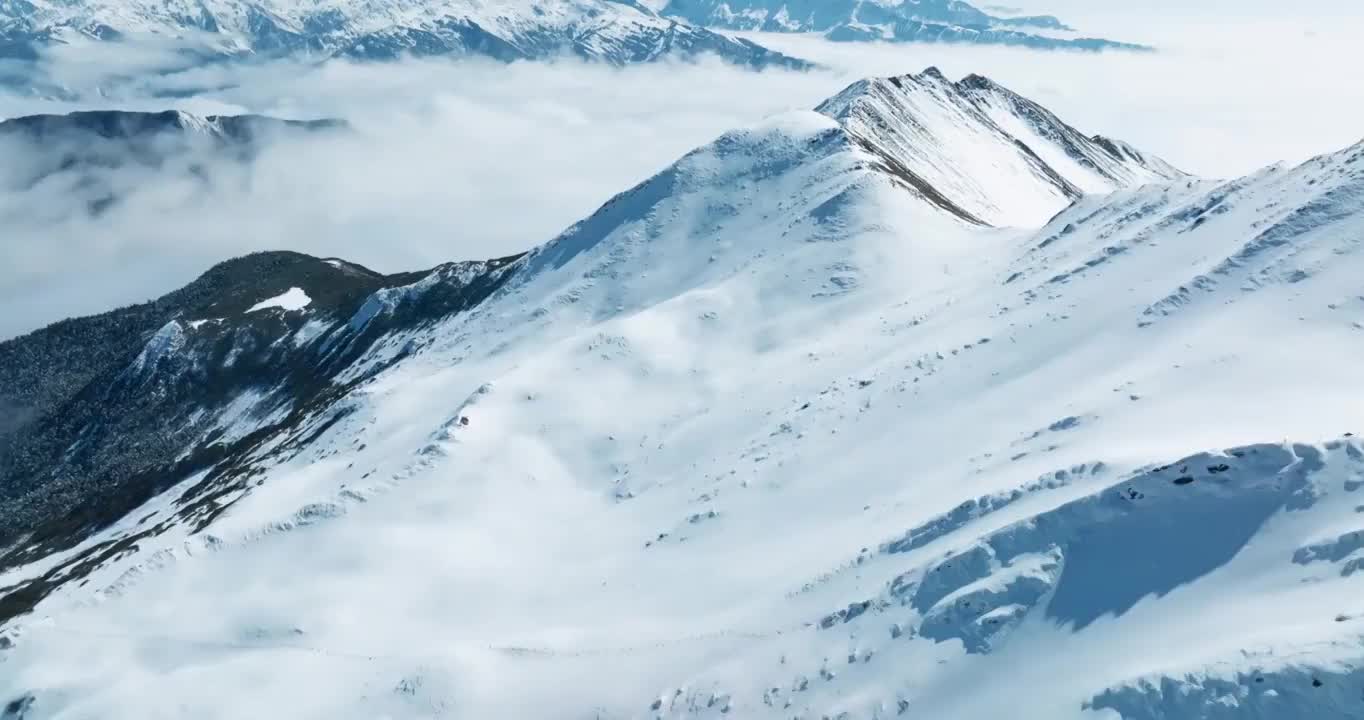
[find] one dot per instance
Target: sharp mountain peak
(1000, 157)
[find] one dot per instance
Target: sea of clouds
(465, 159)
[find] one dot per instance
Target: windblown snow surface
(788, 432)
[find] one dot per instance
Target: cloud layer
(455, 160)
(447, 161)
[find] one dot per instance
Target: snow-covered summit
(999, 157)
(608, 30)
(980, 153)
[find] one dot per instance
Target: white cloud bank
(448, 161)
(476, 159)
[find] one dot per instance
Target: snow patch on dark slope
(615, 32)
(778, 433)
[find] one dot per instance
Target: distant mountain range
(607, 30)
(83, 153)
(930, 21)
(619, 32)
(125, 128)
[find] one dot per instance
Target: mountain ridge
(812, 138)
(74, 373)
(615, 32)
(876, 459)
(125, 124)
(910, 116)
(88, 155)
(924, 21)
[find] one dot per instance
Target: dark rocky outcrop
(84, 147)
(107, 411)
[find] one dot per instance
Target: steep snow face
(887, 20)
(799, 178)
(165, 343)
(616, 32)
(776, 434)
(993, 155)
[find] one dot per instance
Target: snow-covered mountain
(799, 427)
(614, 31)
(938, 21)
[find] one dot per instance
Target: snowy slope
(779, 434)
(937, 21)
(607, 30)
